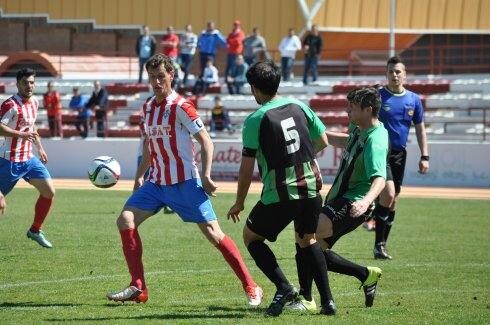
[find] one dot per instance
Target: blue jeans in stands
(185, 65)
(286, 67)
(311, 66)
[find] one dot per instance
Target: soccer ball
(104, 171)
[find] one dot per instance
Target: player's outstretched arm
(424, 151)
(244, 180)
(337, 139)
(43, 156)
(142, 167)
(3, 203)
(359, 207)
(207, 149)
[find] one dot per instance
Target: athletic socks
(338, 264)
(389, 223)
(230, 252)
(304, 274)
(40, 212)
(267, 263)
(314, 257)
(133, 252)
(381, 214)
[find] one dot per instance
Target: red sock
(40, 212)
(232, 256)
(133, 252)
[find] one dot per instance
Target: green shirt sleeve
(315, 125)
(375, 153)
(250, 132)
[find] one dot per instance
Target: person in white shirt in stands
(288, 47)
(188, 44)
(209, 77)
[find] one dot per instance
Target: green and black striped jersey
(280, 135)
(363, 158)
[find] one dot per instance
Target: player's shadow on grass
(30, 304)
(169, 316)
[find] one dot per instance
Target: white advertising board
(451, 163)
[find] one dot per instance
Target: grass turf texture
(439, 274)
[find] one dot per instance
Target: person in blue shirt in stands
(78, 103)
(208, 42)
(399, 109)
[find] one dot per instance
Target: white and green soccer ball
(104, 171)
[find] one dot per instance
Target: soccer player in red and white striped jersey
(17, 117)
(169, 123)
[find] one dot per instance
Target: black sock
(267, 263)
(380, 215)
(389, 223)
(313, 254)
(338, 264)
(304, 274)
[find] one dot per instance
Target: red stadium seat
(131, 132)
(329, 102)
(126, 89)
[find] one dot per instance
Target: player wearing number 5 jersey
(283, 135)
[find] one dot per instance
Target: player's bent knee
(249, 236)
(212, 231)
(125, 220)
(306, 240)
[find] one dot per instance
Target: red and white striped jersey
(168, 127)
(20, 115)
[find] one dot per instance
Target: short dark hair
(25, 73)
(394, 60)
(265, 76)
(366, 97)
(158, 59)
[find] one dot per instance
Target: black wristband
(424, 158)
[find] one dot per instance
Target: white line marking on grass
(101, 277)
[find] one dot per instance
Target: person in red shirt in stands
(52, 103)
(234, 42)
(170, 44)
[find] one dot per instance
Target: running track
(230, 187)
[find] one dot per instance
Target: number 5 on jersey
(291, 135)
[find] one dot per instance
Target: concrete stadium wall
(451, 164)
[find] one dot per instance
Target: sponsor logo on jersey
(159, 131)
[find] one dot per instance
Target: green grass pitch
(440, 272)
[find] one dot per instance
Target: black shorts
(395, 168)
(338, 211)
(269, 220)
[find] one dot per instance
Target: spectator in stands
(220, 120)
(98, 104)
(188, 44)
(288, 47)
(178, 75)
(252, 45)
(170, 44)
(312, 46)
(237, 76)
(234, 42)
(209, 77)
(78, 103)
(145, 48)
(400, 109)
(52, 103)
(208, 43)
